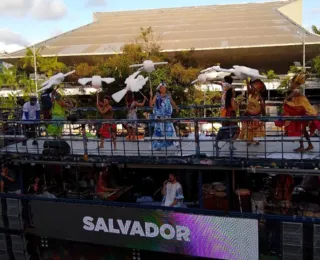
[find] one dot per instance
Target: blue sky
(28, 21)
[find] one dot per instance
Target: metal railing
(192, 141)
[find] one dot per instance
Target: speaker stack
(316, 242)
(292, 241)
(12, 246)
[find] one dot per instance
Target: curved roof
(199, 28)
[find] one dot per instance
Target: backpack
(46, 102)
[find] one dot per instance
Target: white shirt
(173, 192)
(32, 110)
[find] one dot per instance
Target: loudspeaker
(56, 148)
(292, 241)
(316, 242)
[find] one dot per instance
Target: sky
(26, 22)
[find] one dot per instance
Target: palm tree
(315, 29)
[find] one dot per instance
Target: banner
(154, 230)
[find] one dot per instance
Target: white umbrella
(96, 81)
(133, 83)
(55, 80)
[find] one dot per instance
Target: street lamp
(302, 36)
(35, 64)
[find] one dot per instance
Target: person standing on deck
(162, 104)
(106, 130)
(255, 107)
(31, 111)
(297, 104)
(132, 105)
(226, 84)
(59, 108)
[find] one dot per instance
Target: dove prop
(55, 80)
(209, 76)
(148, 65)
(134, 83)
(241, 72)
(96, 81)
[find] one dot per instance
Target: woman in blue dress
(162, 104)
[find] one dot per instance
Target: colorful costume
(58, 113)
(163, 110)
(298, 106)
(253, 128)
(108, 130)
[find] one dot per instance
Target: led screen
(155, 230)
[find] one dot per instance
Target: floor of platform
(271, 149)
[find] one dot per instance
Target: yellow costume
(254, 128)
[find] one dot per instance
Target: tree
(315, 29)
(48, 66)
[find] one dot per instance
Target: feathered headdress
(298, 80)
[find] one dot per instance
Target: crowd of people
(54, 107)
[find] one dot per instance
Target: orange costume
(255, 107)
(298, 106)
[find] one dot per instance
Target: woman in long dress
(132, 105)
(106, 130)
(255, 107)
(162, 104)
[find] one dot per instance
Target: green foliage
(48, 66)
(284, 85)
(316, 65)
(315, 29)
(271, 75)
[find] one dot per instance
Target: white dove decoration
(242, 72)
(96, 81)
(148, 65)
(55, 80)
(208, 76)
(134, 84)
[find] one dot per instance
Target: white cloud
(9, 37)
(11, 41)
(49, 9)
(38, 9)
(96, 3)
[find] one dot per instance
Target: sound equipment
(292, 241)
(316, 242)
(56, 148)
(119, 193)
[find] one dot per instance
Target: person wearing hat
(163, 105)
(296, 104)
(255, 107)
(30, 112)
(59, 108)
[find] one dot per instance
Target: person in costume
(226, 84)
(106, 130)
(230, 110)
(296, 104)
(162, 104)
(59, 108)
(255, 107)
(132, 105)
